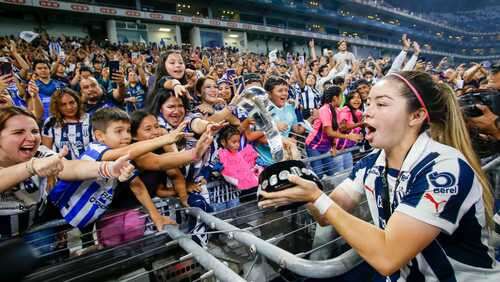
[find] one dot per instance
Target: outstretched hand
(50, 166)
(304, 191)
(122, 168)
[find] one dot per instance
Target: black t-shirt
(124, 197)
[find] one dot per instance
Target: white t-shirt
(345, 57)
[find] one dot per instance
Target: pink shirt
(345, 115)
(317, 138)
(239, 168)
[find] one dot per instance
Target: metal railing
(308, 268)
(208, 261)
(265, 247)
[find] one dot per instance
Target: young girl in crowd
(325, 131)
(239, 166)
(350, 120)
(225, 90)
(171, 75)
(68, 125)
(310, 98)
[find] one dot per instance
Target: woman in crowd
(210, 102)
(68, 126)
(424, 187)
(26, 166)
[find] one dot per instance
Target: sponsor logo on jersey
(444, 183)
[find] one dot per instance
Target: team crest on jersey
(443, 183)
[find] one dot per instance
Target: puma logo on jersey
(437, 204)
(369, 189)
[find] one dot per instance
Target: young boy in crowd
(81, 203)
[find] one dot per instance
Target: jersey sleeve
(441, 194)
(94, 152)
(325, 116)
(48, 125)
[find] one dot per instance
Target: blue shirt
(45, 91)
(279, 115)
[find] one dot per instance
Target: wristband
(323, 203)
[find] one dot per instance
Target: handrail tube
(208, 261)
(308, 268)
(492, 164)
(311, 159)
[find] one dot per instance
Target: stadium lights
(164, 29)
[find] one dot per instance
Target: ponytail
(444, 122)
(453, 132)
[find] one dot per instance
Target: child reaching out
(239, 166)
(83, 202)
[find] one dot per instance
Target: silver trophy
(255, 102)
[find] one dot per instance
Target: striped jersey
(83, 202)
(436, 185)
(17, 100)
(75, 135)
(310, 98)
(23, 204)
(139, 92)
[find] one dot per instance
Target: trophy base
(275, 178)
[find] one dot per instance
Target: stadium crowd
(173, 113)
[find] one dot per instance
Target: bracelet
(104, 171)
(30, 168)
(323, 203)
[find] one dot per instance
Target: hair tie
(416, 93)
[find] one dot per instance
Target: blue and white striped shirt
(75, 135)
(83, 202)
(436, 185)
